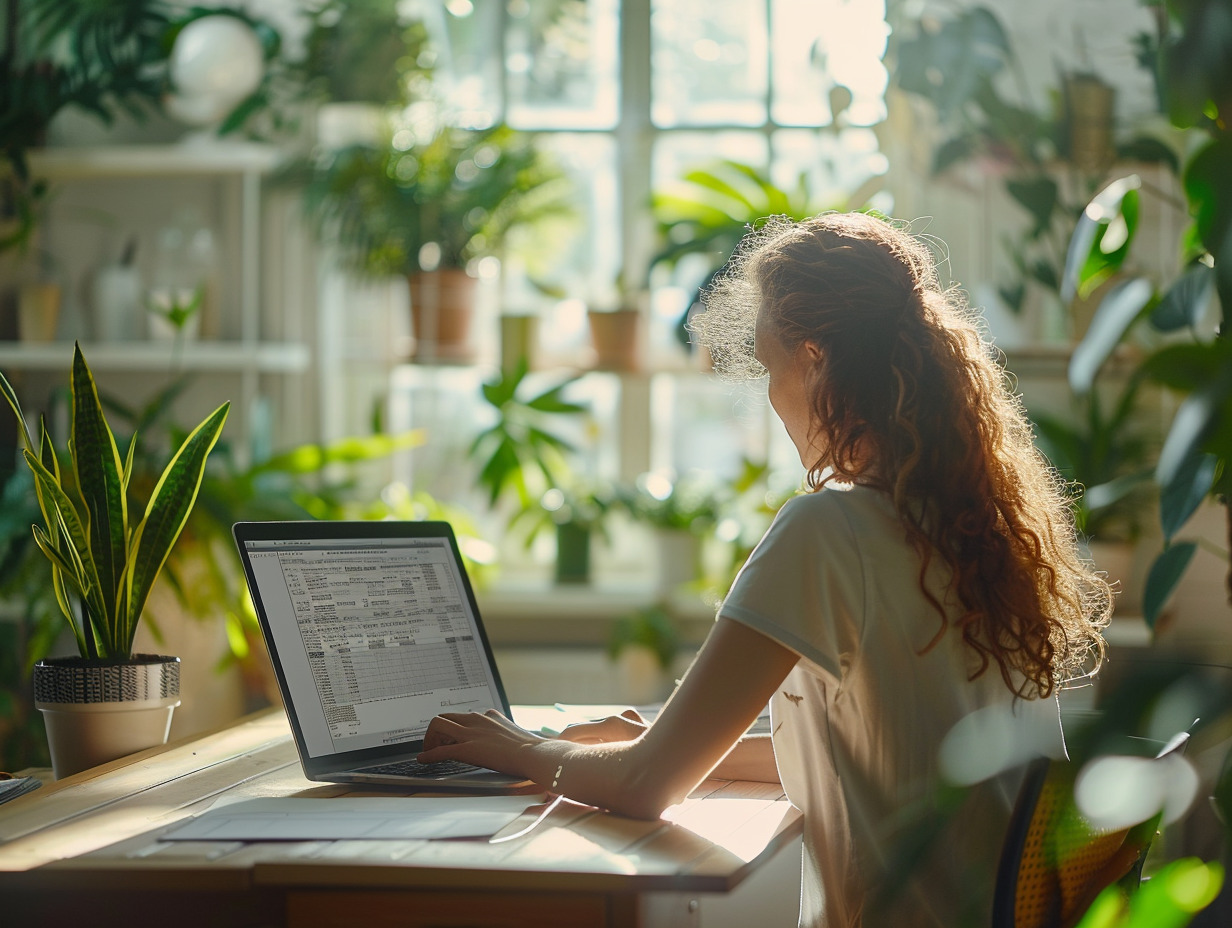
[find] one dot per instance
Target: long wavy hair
(908, 397)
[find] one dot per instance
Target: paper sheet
(352, 817)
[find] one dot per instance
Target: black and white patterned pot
(96, 711)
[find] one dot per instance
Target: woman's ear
(813, 350)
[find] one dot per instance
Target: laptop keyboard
(439, 770)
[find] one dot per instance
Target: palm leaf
(165, 515)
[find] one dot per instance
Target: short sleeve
(803, 585)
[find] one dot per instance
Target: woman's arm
(730, 682)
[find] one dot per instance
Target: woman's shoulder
(845, 516)
(844, 501)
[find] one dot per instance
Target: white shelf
(186, 158)
(267, 357)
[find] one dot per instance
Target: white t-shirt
(859, 721)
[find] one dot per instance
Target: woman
(931, 571)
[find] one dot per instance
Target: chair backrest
(1053, 863)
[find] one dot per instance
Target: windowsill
(582, 615)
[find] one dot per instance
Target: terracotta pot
(1090, 103)
(617, 339)
(38, 312)
(442, 308)
(519, 341)
(96, 711)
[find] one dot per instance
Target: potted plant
(957, 67)
(1107, 458)
(1193, 462)
(114, 51)
(703, 215)
(426, 204)
(682, 510)
(108, 701)
(643, 645)
(519, 452)
(577, 513)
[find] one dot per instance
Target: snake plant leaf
(75, 545)
(98, 469)
(62, 568)
(127, 475)
(47, 454)
(170, 504)
(11, 395)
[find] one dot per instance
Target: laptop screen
(372, 637)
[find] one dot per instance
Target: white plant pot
(679, 558)
(97, 711)
(642, 678)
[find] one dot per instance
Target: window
(631, 94)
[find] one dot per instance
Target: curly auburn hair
(909, 398)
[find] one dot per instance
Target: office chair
(1053, 863)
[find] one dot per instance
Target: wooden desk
(85, 850)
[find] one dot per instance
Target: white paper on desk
(394, 818)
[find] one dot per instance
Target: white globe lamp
(215, 63)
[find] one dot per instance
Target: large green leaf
(1194, 421)
(311, 458)
(1038, 196)
(1116, 313)
(1187, 366)
(1180, 498)
(99, 472)
(1186, 300)
(1085, 254)
(1196, 61)
(1163, 577)
(947, 65)
(170, 505)
(1208, 187)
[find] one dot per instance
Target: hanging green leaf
(1186, 300)
(1180, 498)
(1163, 577)
(1086, 257)
(1116, 313)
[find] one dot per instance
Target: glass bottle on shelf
(182, 278)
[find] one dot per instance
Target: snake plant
(100, 554)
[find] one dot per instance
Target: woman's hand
(485, 740)
(627, 726)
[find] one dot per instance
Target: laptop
(373, 631)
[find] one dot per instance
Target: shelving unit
(260, 344)
(213, 356)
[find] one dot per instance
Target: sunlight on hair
(1118, 792)
(998, 737)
